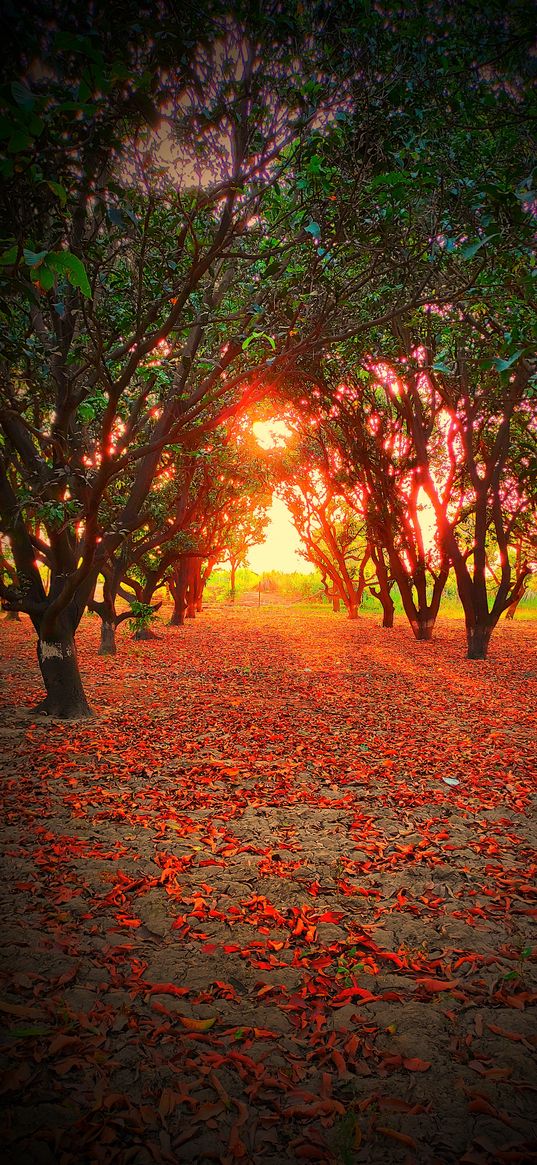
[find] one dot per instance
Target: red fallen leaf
(21, 1011)
(64, 1066)
(166, 989)
(395, 1135)
(434, 985)
(354, 993)
(414, 1064)
(339, 1061)
(397, 1104)
(115, 1100)
(483, 1107)
(352, 1045)
(169, 1099)
(521, 999)
(68, 976)
(309, 1152)
(15, 1078)
(124, 920)
(502, 1031)
(319, 1108)
(61, 1042)
(210, 1110)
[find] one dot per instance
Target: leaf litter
(245, 918)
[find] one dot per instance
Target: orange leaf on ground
(434, 985)
(166, 989)
(195, 1025)
(395, 1135)
(414, 1064)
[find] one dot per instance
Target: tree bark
(388, 610)
(478, 636)
(65, 697)
(384, 584)
(12, 617)
(336, 603)
(145, 633)
(353, 611)
(108, 638)
(423, 628)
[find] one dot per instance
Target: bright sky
(278, 551)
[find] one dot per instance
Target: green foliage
(291, 586)
(143, 616)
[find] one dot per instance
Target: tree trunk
(353, 611)
(232, 583)
(12, 617)
(108, 638)
(145, 633)
(384, 587)
(478, 637)
(336, 603)
(423, 627)
(388, 610)
(106, 610)
(59, 667)
(177, 585)
(510, 613)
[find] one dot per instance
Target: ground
(246, 915)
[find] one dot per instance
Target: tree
(131, 303)
(333, 537)
(376, 423)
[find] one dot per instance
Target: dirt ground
(246, 917)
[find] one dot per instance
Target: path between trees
(245, 916)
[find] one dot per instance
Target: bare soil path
(245, 917)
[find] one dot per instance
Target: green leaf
(470, 249)
(393, 178)
(44, 277)
(20, 141)
(503, 365)
(314, 165)
(86, 412)
(58, 190)
(22, 95)
(116, 217)
(65, 263)
(257, 336)
(34, 258)
(9, 257)
(37, 1029)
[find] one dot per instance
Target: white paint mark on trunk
(54, 650)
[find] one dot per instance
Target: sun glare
(271, 434)
(279, 551)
